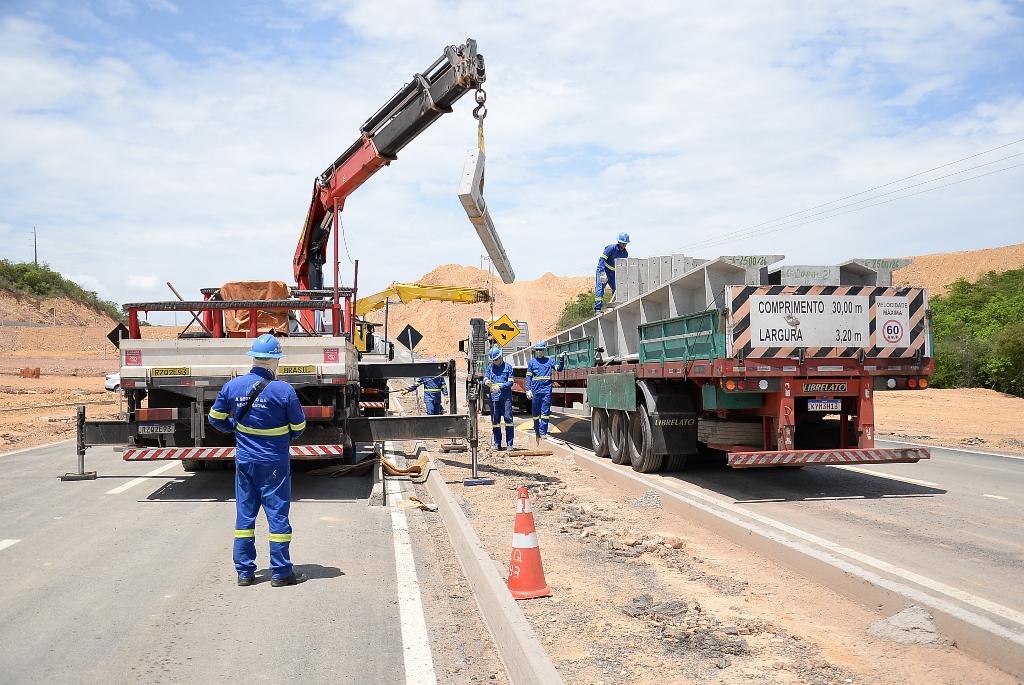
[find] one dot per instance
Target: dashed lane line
(996, 496)
(419, 664)
(902, 479)
(132, 483)
(4, 544)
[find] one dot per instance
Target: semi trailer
(770, 365)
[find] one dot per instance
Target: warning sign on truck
(810, 321)
(892, 315)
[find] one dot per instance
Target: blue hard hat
(495, 354)
(624, 238)
(540, 345)
(266, 347)
(433, 361)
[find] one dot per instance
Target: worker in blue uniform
(498, 378)
(539, 374)
(265, 415)
(433, 388)
(606, 269)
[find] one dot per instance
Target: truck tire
(192, 464)
(641, 444)
(618, 438)
(730, 432)
(599, 431)
(673, 462)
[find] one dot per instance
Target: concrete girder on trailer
(868, 272)
(683, 285)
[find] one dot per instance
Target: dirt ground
(645, 597)
(936, 271)
(967, 417)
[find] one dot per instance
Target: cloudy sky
(156, 140)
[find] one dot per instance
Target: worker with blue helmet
(606, 269)
(498, 377)
(265, 415)
(433, 388)
(539, 383)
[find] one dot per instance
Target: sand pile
(443, 324)
(936, 271)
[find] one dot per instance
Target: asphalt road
(953, 521)
(115, 584)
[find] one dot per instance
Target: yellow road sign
(504, 330)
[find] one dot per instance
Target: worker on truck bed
(265, 415)
(539, 373)
(499, 379)
(606, 269)
(433, 388)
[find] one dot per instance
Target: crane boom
(407, 292)
(412, 109)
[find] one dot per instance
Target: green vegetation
(979, 333)
(42, 281)
(576, 311)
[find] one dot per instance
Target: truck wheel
(641, 448)
(673, 462)
(618, 448)
(192, 464)
(599, 431)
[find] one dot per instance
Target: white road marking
(954, 449)
(419, 664)
(995, 497)
(4, 544)
(966, 597)
(902, 479)
(132, 483)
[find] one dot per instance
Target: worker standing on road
(498, 378)
(606, 269)
(265, 415)
(539, 374)
(433, 388)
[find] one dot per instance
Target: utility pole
(35, 247)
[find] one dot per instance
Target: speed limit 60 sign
(892, 322)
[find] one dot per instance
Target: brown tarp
(236, 322)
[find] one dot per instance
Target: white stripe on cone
(524, 540)
(523, 506)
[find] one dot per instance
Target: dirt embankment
(936, 271)
(443, 324)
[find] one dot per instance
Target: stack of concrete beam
(669, 286)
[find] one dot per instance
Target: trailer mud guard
(673, 417)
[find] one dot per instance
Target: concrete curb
(972, 633)
(520, 651)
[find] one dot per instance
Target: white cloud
(672, 121)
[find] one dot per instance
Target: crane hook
(480, 111)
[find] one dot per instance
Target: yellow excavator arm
(407, 292)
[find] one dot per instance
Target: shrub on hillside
(979, 337)
(42, 281)
(576, 311)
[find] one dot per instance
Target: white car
(113, 383)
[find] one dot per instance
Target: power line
(749, 232)
(738, 232)
(774, 229)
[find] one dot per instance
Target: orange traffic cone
(526, 573)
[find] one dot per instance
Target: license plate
(155, 428)
(824, 405)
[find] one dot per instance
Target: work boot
(293, 579)
(500, 448)
(245, 581)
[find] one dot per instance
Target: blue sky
(156, 140)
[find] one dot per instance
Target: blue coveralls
(433, 388)
(606, 265)
(262, 464)
(539, 374)
(500, 378)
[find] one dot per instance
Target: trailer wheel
(192, 464)
(673, 462)
(618, 439)
(641, 448)
(599, 431)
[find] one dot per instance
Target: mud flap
(673, 418)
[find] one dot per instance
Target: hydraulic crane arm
(412, 109)
(407, 292)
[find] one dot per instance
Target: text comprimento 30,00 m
(810, 321)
